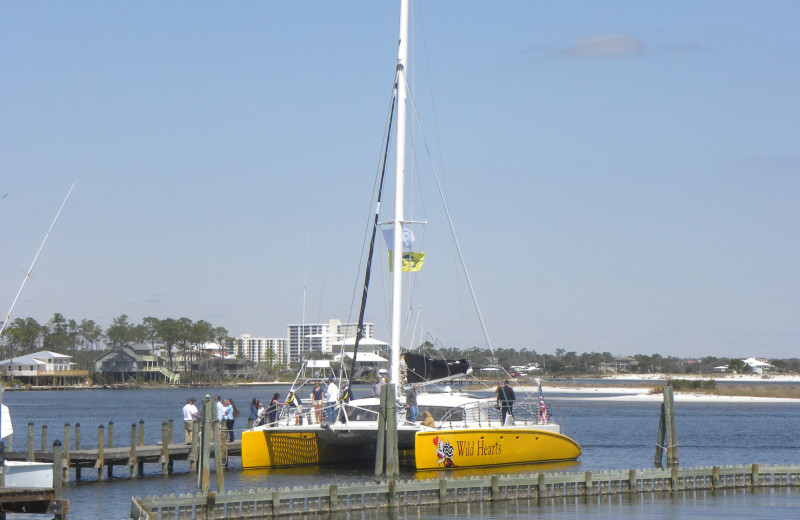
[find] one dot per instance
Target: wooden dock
(106, 456)
(534, 487)
(33, 501)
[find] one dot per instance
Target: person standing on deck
(231, 413)
(189, 417)
(220, 416)
(297, 406)
(505, 398)
(376, 387)
(317, 396)
(272, 409)
(332, 398)
(412, 411)
(253, 417)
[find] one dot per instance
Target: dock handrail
(540, 488)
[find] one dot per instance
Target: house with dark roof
(135, 363)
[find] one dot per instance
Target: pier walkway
(535, 487)
(107, 456)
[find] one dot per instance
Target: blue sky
(623, 177)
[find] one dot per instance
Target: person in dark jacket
(505, 400)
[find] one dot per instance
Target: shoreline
(737, 378)
(639, 388)
(644, 395)
(617, 387)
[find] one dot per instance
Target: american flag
(542, 407)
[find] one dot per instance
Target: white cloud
(611, 45)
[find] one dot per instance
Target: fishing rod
(36, 257)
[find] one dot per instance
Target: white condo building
(319, 337)
(260, 350)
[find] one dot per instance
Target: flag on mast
(542, 406)
(411, 261)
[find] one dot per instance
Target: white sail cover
(5, 424)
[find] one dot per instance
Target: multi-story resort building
(319, 337)
(301, 339)
(260, 350)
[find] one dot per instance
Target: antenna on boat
(36, 257)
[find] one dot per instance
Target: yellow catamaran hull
(265, 448)
(305, 445)
(432, 449)
(471, 447)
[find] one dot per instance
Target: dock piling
(193, 449)
(132, 455)
(57, 467)
(65, 476)
(140, 469)
(31, 452)
(380, 445)
(164, 448)
(100, 443)
(667, 438)
(205, 470)
(77, 448)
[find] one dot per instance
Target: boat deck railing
(481, 413)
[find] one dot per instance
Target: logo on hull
(444, 452)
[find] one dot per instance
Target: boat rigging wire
(36, 257)
(368, 268)
(452, 229)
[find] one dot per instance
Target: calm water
(614, 435)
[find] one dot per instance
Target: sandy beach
(640, 386)
(738, 378)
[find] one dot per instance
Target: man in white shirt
(332, 396)
(189, 416)
(220, 416)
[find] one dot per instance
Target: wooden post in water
(669, 426)
(667, 438)
(44, 438)
(132, 454)
(140, 465)
(673, 460)
(164, 448)
(66, 452)
(220, 455)
(99, 463)
(57, 469)
(392, 456)
(193, 449)
(31, 452)
(380, 446)
(660, 438)
(110, 434)
(66, 439)
(77, 448)
(205, 454)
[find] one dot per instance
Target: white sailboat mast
(399, 199)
